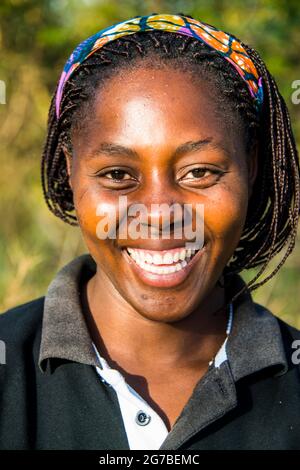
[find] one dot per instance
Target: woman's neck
(123, 334)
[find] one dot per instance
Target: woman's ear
(68, 158)
(252, 168)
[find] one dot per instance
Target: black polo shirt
(51, 396)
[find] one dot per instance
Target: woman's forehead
(155, 121)
(152, 104)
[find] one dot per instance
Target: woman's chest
(167, 394)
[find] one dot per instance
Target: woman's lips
(161, 278)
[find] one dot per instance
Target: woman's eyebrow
(114, 149)
(193, 146)
(111, 149)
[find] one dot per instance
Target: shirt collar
(254, 343)
(64, 331)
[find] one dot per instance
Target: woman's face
(157, 136)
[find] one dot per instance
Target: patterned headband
(226, 45)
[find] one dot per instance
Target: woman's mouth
(165, 268)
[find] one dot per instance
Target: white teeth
(168, 258)
(149, 258)
(158, 269)
(157, 259)
(151, 263)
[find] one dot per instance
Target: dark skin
(160, 339)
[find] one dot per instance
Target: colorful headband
(226, 45)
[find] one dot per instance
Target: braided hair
(273, 210)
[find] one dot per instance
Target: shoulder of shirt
(262, 310)
(20, 334)
(290, 336)
(20, 323)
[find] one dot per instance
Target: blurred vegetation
(36, 38)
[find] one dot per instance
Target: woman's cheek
(97, 214)
(225, 214)
(87, 199)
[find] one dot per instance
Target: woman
(152, 341)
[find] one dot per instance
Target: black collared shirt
(51, 396)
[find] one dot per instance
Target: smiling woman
(171, 115)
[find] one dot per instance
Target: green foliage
(36, 38)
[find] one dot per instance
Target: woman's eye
(117, 175)
(201, 177)
(197, 173)
(116, 178)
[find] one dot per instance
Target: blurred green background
(36, 38)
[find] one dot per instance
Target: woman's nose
(164, 217)
(162, 200)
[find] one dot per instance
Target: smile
(165, 262)
(165, 268)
